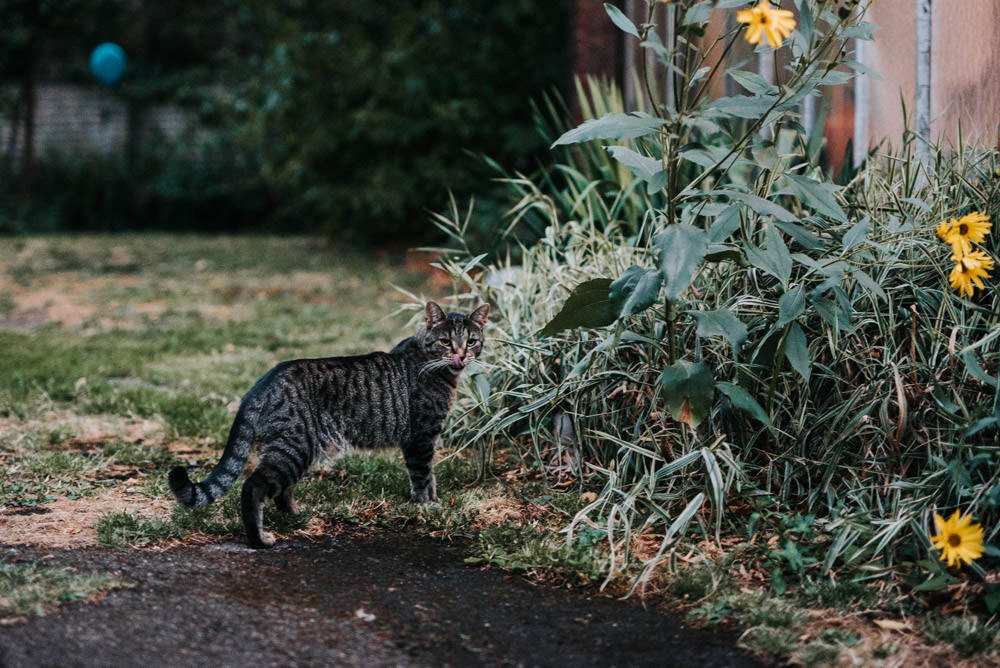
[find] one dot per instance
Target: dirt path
(372, 600)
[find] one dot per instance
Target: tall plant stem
(671, 335)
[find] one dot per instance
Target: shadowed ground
(387, 599)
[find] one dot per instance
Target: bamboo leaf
(797, 351)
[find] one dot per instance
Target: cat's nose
(457, 362)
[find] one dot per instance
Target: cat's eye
(444, 342)
(473, 341)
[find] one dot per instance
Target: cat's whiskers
(433, 365)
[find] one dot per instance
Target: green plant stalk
(671, 334)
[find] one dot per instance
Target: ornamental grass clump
(760, 344)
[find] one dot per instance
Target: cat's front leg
(419, 455)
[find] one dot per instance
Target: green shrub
(765, 339)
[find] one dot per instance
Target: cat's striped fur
(305, 409)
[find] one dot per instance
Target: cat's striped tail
(225, 473)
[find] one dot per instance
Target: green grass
(35, 588)
(125, 529)
(967, 634)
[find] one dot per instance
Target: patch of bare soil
(69, 523)
(65, 297)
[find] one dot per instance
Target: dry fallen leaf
(891, 625)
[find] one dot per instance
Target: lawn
(123, 356)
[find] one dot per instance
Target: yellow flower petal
(958, 539)
(766, 23)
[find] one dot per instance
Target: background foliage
(350, 118)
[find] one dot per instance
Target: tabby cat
(302, 410)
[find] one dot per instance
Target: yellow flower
(960, 234)
(958, 539)
(767, 23)
(970, 269)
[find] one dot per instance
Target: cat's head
(453, 340)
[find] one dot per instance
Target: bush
(763, 346)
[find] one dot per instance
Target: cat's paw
(424, 498)
(265, 540)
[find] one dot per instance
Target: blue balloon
(107, 63)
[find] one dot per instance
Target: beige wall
(965, 69)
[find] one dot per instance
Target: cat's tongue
(456, 362)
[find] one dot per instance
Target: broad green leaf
(643, 167)
(681, 249)
(862, 30)
(742, 106)
(974, 369)
(860, 68)
(619, 19)
(817, 195)
(725, 224)
(831, 312)
(797, 351)
(775, 259)
(688, 389)
(636, 290)
(856, 234)
(835, 78)
(791, 305)
(753, 82)
(698, 13)
(588, 305)
(721, 253)
(868, 283)
(612, 126)
(744, 401)
(758, 204)
(721, 322)
(799, 233)
(806, 23)
(834, 273)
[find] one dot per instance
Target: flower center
(963, 229)
(954, 540)
(763, 19)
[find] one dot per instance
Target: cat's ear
(434, 315)
(479, 315)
